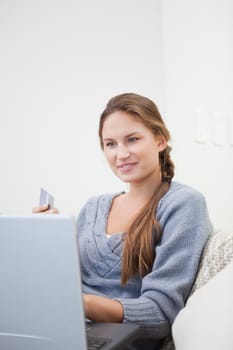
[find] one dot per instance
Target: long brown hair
(145, 232)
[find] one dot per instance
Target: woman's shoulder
(94, 206)
(183, 194)
(183, 208)
(99, 201)
(178, 189)
(102, 198)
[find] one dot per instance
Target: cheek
(151, 156)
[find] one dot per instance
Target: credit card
(46, 198)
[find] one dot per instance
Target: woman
(140, 249)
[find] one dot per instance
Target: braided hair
(145, 232)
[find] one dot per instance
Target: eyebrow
(126, 136)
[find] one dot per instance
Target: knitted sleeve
(183, 216)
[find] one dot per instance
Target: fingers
(40, 209)
(45, 209)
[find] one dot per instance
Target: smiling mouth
(126, 166)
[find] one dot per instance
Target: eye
(133, 139)
(110, 144)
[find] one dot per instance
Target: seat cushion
(217, 254)
(206, 320)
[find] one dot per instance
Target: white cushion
(218, 252)
(206, 320)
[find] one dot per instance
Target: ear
(161, 143)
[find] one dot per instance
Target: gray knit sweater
(154, 301)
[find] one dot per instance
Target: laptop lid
(40, 295)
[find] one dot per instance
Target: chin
(128, 178)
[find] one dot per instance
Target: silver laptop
(41, 305)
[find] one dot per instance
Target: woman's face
(131, 149)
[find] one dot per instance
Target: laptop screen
(40, 294)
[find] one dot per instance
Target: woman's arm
(101, 309)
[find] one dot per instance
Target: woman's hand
(45, 209)
(101, 309)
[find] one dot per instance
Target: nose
(123, 152)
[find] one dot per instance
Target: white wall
(60, 62)
(198, 91)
